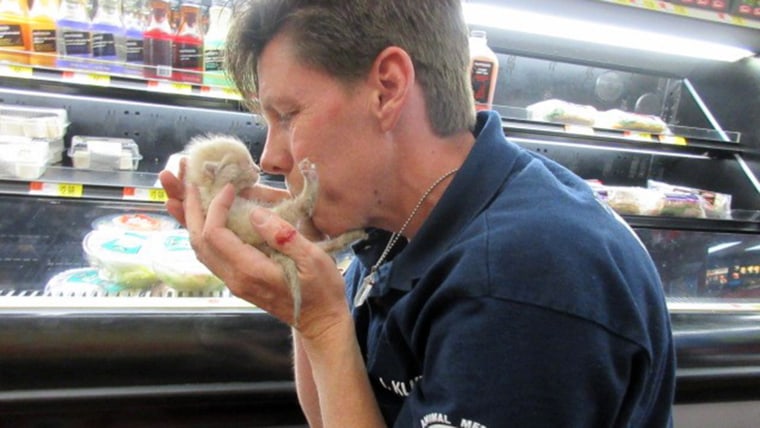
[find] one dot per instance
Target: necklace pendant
(364, 289)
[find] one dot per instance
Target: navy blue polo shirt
(521, 301)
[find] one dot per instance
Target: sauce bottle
(484, 70)
(74, 35)
(187, 63)
(219, 16)
(134, 25)
(157, 42)
(108, 44)
(15, 42)
(44, 34)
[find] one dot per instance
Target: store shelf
(680, 141)
(64, 182)
(693, 224)
(689, 12)
(107, 80)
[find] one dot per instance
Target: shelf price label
(15, 70)
(680, 10)
(87, 78)
(673, 139)
(649, 4)
(171, 87)
(152, 194)
(637, 135)
(62, 190)
(579, 129)
(220, 92)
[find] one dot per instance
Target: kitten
(215, 160)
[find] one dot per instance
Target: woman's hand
(252, 276)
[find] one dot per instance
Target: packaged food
(563, 112)
(23, 157)
(176, 265)
(121, 257)
(714, 204)
(618, 119)
(634, 200)
(35, 122)
(679, 204)
(80, 281)
(136, 222)
(101, 153)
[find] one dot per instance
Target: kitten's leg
(302, 206)
(342, 241)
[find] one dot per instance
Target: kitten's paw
(308, 170)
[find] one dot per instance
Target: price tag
(636, 135)
(649, 4)
(14, 70)
(171, 87)
(145, 194)
(579, 129)
(63, 190)
(673, 139)
(737, 20)
(680, 10)
(87, 78)
(220, 92)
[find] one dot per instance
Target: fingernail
(260, 216)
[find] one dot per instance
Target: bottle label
(103, 45)
(76, 42)
(43, 40)
(134, 50)
(11, 36)
(482, 74)
(213, 60)
(187, 56)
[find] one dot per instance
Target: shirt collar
(475, 184)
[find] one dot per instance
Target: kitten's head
(215, 160)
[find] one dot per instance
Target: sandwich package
(563, 112)
(619, 119)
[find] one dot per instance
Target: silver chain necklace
(371, 279)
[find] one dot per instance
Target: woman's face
(312, 115)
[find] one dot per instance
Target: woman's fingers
(174, 187)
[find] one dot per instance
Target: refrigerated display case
(103, 355)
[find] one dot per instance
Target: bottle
(134, 25)
(187, 63)
(74, 35)
(108, 37)
(484, 70)
(43, 32)
(157, 42)
(219, 16)
(15, 42)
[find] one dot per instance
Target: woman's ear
(392, 77)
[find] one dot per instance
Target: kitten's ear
(210, 168)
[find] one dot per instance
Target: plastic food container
(121, 257)
(36, 122)
(101, 153)
(563, 112)
(175, 264)
(23, 157)
(81, 281)
(136, 222)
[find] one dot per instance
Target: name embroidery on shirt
(399, 387)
